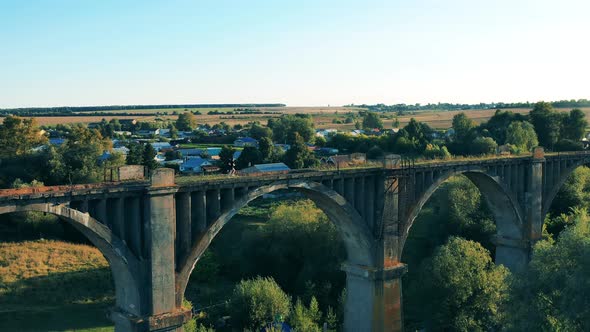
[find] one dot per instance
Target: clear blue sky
(104, 52)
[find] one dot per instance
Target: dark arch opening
(569, 192)
(347, 221)
(502, 205)
(121, 261)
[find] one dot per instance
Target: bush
(207, 268)
(374, 153)
(434, 151)
(306, 319)
(483, 145)
(552, 295)
(301, 249)
(568, 145)
(462, 288)
(258, 302)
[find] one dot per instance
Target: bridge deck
(233, 180)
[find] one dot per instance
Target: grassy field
(48, 285)
(54, 286)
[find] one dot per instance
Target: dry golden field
(323, 116)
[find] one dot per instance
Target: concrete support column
(339, 186)
(240, 192)
(117, 215)
(98, 210)
(198, 213)
(369, 194)
(163, 314)
(349, 190)
(183, 224)
(390, 251)
(227, 198)
(213, 205)
(373, 298)
(512, 253)
(360, 195)
(133, 229)
(534, 198)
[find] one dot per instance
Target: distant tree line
(69, 110)
(401, 108)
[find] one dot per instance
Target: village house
(245, 141)
(148, 132)
(194, 165)
(161, 146)
(266, 168)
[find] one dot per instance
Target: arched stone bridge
(154, 232)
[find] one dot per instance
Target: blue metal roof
(275, 167)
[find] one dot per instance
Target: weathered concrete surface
(154, 232)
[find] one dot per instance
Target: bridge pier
(373, 298)
(158, 274)
(534, 198)
(512, 253)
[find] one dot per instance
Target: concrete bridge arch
(350, 225)
(508, 215)
(556, 173)
(123, 264)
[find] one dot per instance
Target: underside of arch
(554, 190)
(124, 265)
(356, 237)
(503, 205)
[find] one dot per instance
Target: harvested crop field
(324, 117)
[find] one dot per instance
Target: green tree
(135, 155)
(186, 121)
(267, 149)
(148, 157)
(419, 132)
(522, 135)
(483, 145)
(468, 215)
(568, 145)
(258, 302)
(172, 155)
(575, 192)
(173, 131)
(116, 159)
(461, 288)
(115, 124)
(286, 127)
(371, 120)
(574, 125)
(226, 159)
(301, 249)
(250, 156)
(258, 132)
(374, 152)
(76, 160)
(497, 124)
(299, 156)
(552, 295)
(547, 123)
(433, 151)
(320, 141)
(18, 136)
(306, 319)
(463, 128)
